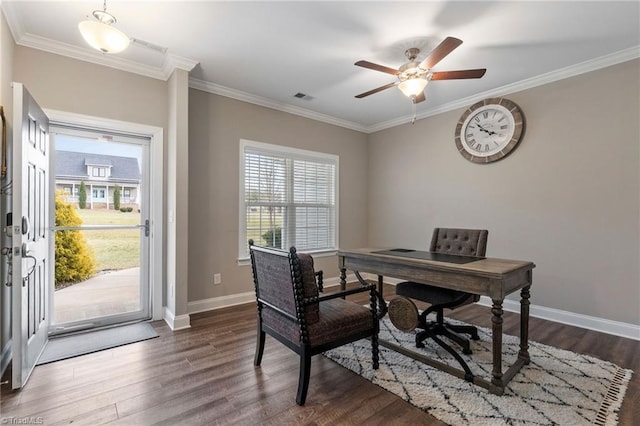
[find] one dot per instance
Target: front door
(31, 234)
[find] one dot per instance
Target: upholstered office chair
(291, 310)
(403, 312)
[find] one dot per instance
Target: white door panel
(31, 234)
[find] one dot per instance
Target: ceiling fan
(413, 77)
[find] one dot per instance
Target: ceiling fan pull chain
(413, 102)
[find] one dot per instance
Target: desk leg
(380, 285)
(524, 324)
(496, 330)
(343, 279)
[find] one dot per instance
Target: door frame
(156, 191)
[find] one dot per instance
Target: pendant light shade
(101, 34)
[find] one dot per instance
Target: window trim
(289, 152)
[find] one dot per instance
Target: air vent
(300, 95)
(149, 45)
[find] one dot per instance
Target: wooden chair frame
(303, 348)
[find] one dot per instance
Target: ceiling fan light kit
(413, 86)
(101, 34)
(413, 77)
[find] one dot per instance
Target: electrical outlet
(217, 278)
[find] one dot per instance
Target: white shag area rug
(558, 387)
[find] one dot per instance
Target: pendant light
(101, 34)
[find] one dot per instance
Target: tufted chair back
(463, 242)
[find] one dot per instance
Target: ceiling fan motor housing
(411, 70)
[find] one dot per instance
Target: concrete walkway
(107, 293)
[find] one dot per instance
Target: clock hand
(490, 132)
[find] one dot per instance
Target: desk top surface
(476, 265)
(430, 255)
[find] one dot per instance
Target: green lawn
(113, 249)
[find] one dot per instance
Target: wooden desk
(495, 278)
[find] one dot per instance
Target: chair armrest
(319, 275)
(340, 294)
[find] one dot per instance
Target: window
(99, 172)
(288, 197)
(126, 193)
(98, 194)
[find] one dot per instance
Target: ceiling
(265, 52)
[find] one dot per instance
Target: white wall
(567, 199)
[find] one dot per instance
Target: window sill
(246, 261)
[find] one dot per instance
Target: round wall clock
(489, 130)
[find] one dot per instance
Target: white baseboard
(616, 328)
(242, 298)
(220, 302)
(176, 322)
(602, 325)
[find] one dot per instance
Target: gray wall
(65, 84)
(216, 125)
(567, 198)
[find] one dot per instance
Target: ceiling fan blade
(419, 98)
(379, 89)
(376, 67)
(443, 49)
(457, 75)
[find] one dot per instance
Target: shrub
(273, 238)
(82, 196)
(116, 197)
(126, 209)
(74, 259)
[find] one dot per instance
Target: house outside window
(288, 197)
(74, 168)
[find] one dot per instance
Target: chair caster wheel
(475, 337)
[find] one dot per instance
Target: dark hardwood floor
(205, 375)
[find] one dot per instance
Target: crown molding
(217, 89)
(90, 55)
(550, 77)
(173, 62)
(22, 38)
(170, 63)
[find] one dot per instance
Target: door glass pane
(98, 271)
